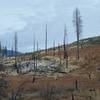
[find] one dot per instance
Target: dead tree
(89, 74)
(78, 26)
(54, 49)
(37, 47)
(72, 95)
(65, 47)
(12, 52)
(59, 53)
(16, 50)
(34, 56)
(37, 55)
(90, 97)
(34, 59)
(0, 51)
(5, 51)
(46, 41)
(76, 85)
(0, 46)
(33, 79)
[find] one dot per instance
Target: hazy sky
(28, 17)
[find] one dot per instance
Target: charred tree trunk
(78, 25)
(65, 47)
(54, 49)
(46, 41)
(59, 53)
(16, 50)
(76, 85)
(78, 52)
(72, 95)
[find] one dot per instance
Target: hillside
(89, 55)
(52, 78)
(88, 41)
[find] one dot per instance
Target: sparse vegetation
(63, 72)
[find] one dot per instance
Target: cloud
(30, 16)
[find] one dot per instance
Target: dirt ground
(80, 84)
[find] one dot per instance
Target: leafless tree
(12, 52)
(0, 46)
(65, 47)
(54, 49)
(59, 53)
(37, 55)
(34, 56)
(72, 95)
(5, 51)
(78, 26)
(0, 51)
(76, 84)
(16, 50)
(37, 46)
(46, 39)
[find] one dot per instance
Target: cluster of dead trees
(78, 27)
(3, 51)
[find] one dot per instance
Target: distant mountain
(9, 53)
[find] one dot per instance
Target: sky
(29, 18)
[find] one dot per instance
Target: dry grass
(88, 77)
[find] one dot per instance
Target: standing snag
(46, 41)
(34, 55)
(65, 47)
(5, 51)
(12, 52)
(59, 53)
(76, 85)
(33, 80)
(72, 95)
(54, 49)
(16, 49)
(78, 27)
